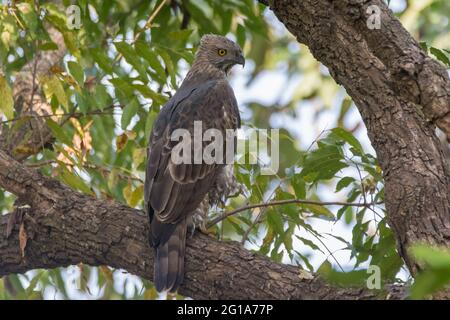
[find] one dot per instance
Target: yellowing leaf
(113, 178)
(305, 275)
(106, 272)
(138, 156)
(5, 37)
(133, 196)
(121, 141)
(150, 294)
(130, 134)
(6, 99)
(23, 149)
(74, 181)
(319, 211)
(53, 87)
(76, 124)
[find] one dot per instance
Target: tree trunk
(400, 92)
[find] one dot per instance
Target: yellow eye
(222, 52)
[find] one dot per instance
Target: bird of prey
(174, 193)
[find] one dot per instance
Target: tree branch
(65, 227)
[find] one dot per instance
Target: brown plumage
(175, 192)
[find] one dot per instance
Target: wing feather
(173, 191)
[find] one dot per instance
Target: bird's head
(220, 52)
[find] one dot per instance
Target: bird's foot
(198, 222)
(204, 229)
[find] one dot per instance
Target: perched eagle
(175, 193)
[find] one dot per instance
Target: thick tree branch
(65, 227)
(398, 90)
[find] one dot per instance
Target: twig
(88, 166)
(250, 228)
(289, 201)
(147, 25)
(329, 251)
(69, 114)
(258, 217)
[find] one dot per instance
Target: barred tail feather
(169, 261)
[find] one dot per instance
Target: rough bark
(400, 92)
(64, 227)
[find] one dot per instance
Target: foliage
(125, 62)
(436, 273)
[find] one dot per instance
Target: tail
(169, 260)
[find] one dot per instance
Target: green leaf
(344, 182)
(102, 97)
(440, 55)
(123, 86)
(82, 102)
(150, 94)
(309, 243)
(424, 46)
(319, 211)
(323, 163)
(102, 59)
(241, 35)
(33, 283)
(428, 282)
(275, 221)
(71, 43)
(129, 111)
(434, 257)
(74, 181)
(48, 46)
(345, 106)
(180, 35)
(55, 16)
(52, 86)
(169, 65)
(348, 217)
(349, 138)
(352, 278)
(58, 132)
(29, 17)
(6, 99)
(436, 274)
(132, 57)
(298, 183)
(76, 71)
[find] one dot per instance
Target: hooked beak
(240, 60)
